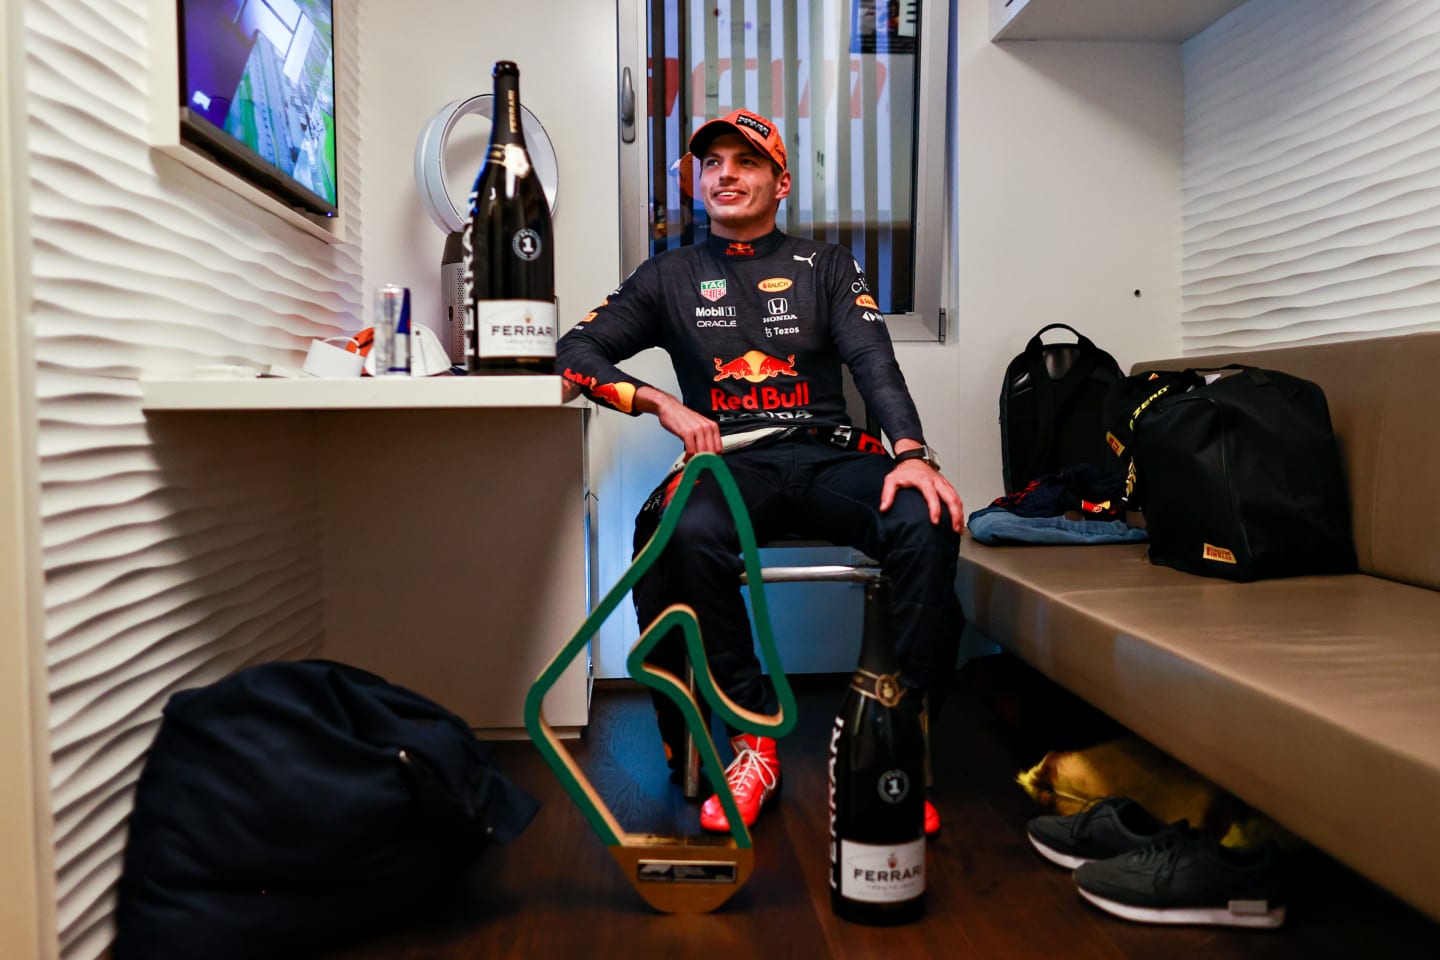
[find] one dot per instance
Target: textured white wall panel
(1312, 192)
(176, 548)
(1068, 185)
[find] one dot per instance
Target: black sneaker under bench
(1102, 830)
(1188, 877)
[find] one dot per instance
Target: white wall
(172, 551)
(1067, 178)
(1312, 195)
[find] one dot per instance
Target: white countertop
(271, 393)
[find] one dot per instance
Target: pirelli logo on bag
(1217, 553)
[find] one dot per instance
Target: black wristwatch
(921, 452)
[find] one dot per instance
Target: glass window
(857, 89)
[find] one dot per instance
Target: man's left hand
(919, 475)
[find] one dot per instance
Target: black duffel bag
(296, 806)
(1241, 476)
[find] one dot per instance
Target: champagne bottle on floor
(877, 783)
(508, 249)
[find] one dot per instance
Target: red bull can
(392, 331)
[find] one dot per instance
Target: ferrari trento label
(515, 328)
(1218, 553)
(882, 873)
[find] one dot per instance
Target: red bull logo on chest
(757, 367)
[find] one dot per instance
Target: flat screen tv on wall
(257, 93)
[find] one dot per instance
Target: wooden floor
(555, 892)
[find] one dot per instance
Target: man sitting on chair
(757, 325)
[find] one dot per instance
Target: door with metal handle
(627, 107)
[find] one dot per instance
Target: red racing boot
(753, 776)
(932, 819)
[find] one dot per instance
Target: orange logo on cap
(776, 284)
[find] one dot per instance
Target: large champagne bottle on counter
(877, 783)
(509, 256)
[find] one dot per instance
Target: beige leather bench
(1315, 699)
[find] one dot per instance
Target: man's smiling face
(740, 188)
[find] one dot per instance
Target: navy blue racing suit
(757, 333)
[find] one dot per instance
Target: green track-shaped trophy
(675, 874)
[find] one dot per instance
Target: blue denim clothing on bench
(998, 526)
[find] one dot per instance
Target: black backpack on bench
(1052, 408)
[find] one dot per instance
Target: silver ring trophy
(430, 181)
